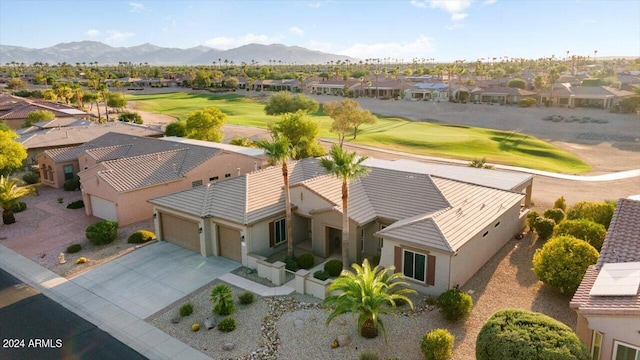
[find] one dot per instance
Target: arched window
(45, 175)
(50, 171)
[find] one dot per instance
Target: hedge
(102, 232)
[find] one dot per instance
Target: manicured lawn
(390, 133)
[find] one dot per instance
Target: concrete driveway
(149, 279)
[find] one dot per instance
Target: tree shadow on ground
(555, 304)
(522, 258)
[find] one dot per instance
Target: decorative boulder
(344, 340)
(176, 319)
(228, 346)
(209, 323)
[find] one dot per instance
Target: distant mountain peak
(88, 50)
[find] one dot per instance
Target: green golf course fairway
(393, 133)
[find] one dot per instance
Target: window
(381, 241)
(415, 265)
(213, 178)
(278, 232)
(362, 240)
(624, 351)
(227, 175)
(68, 172)
(196, 183)
(485, 234)
(596, 344)
(497, 224)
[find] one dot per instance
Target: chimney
(238, 170)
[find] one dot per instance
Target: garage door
(180, 231)
(229, 243)
(103, 209)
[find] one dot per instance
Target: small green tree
(12, 153)
(480, 164)
(10, 193)
(242, 141)
(347, 116)
(517, 83)
(206, 124)
(437, 345)
(301, 131)
(532, 218)
(284, 102)
(37, 116)
(454, 304)
(562, 262)
(132, 117)
(116, 101)
(176, 128)
(369, 293)
(583, 229)
(513, 334)
(600, 212)
(222, 299)
(202, 80)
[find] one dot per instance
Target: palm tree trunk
(345, 224)
(287, 205)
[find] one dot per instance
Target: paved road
(32, 326)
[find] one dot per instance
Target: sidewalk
(604, 177)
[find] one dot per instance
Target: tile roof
(622, 244)
(80, 133)
(15, 107)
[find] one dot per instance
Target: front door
(334, 240)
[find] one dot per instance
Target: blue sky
(444, 30)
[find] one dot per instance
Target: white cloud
(418, 4)
(92, 33)
(114, 36)
(450, 6)
(458, 16)
(406, 50)
(296, 30)
(224, 42)
(315, 5)
(136, 7)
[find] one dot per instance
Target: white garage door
(229, 243)
(180, 231)
(103, 209)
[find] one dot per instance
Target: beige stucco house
(119, 173)
(608, 298)
(14, 110)
(433, 226)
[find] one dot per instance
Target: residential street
(36, 327)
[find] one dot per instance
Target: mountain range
(94, 51)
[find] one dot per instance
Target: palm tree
(10, 193)
(346, 166)
(279, 152)
(370, 293)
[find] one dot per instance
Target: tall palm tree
(345, 166)
(10, 193)
(280, 151)
(370, 293)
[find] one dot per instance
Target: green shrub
(437, 345)
(247, 298)
(132, 117)
(186, 309)
(583, 229)
(79, 204)
(560, 204)
(598, 212)
(532, 217)
(291, 264)
(222, 299)
(544, 227)
(333, 267)
(177, 128)
(555, 214)
(563, 261)
(71, 184)
(305, 261)
(31, 178)
(72, 249)
(431, 300)
(368, 355)
(141, 237)
(227, 324)
(454, 304)
(321, 275)
(512, 334)
(375, 260)
(526, 102)
(517, 83)
(102, 232)
(20, 206)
